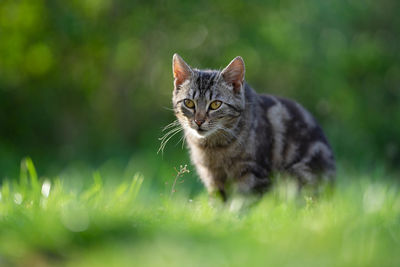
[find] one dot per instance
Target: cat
(238, 137)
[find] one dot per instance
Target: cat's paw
(237, 204)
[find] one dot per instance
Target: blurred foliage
(47, 222)
(91, 78)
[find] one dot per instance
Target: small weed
(179, 174)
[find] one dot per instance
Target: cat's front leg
(248, 190)
(214, 180)
(250, 184)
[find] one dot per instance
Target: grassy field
(50, 222)
(85, 91)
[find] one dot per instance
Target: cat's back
(296, 141)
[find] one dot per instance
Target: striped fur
(250, 136)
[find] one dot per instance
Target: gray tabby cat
(239, 137)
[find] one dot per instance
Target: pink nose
(199, 122)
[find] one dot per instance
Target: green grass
(125, 223)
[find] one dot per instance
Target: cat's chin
(200, 134)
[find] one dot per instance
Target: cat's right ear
(181, 70)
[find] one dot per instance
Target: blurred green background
(90, 80)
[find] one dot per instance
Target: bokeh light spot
(46, 188)
(75, 217)
(39, 59)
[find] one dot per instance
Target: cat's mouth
(202, 132)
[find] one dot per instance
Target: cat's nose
(199, 122)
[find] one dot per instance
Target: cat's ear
(234, 73)
(181, 70)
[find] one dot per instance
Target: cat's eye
(215, 104)
(189, 103)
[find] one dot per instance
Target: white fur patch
(278, 115)
(196, 134)
(186, 82)
(206, 177)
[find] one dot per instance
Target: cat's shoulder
(292, 109)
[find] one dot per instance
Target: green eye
(215, 104)
(189, 103)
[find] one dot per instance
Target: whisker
(169, 125)
(181, 139)
(165, 141)
(184, 139)
(169, 132)
(167, 108)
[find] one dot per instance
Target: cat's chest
(216, 158)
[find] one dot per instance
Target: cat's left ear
(234, 73)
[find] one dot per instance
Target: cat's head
(208, 101)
